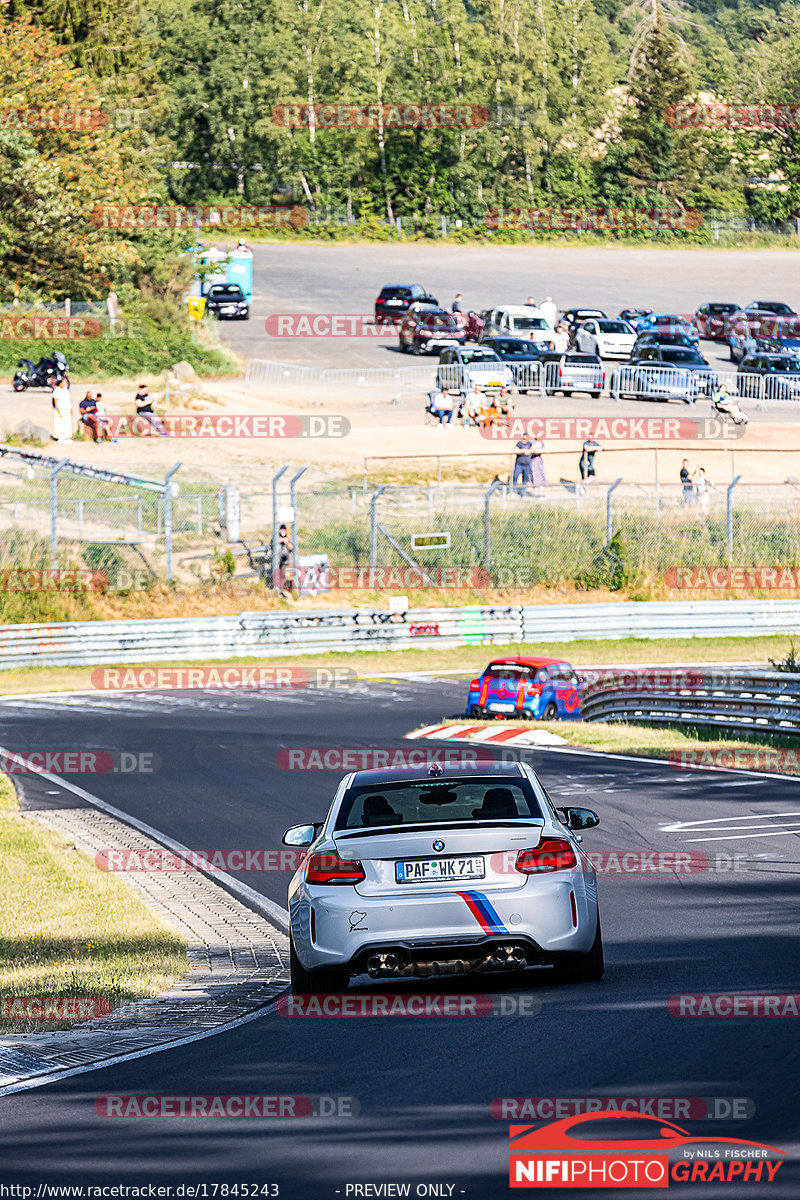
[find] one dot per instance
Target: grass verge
(466, 660)
(69, 930)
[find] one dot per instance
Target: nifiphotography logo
(615, 1149)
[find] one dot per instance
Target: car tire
(563, 393)
(522, 391)
(588, 967)
(595, 395)
(314, 983)
(551, 712)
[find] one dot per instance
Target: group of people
(696, 486)
(92, 413)
(529, 465)
(475, 408)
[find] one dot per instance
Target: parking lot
(345, 279)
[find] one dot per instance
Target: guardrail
(745, 698)
(270, 634)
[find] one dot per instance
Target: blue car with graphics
(533, 687)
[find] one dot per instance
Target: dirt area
(394, 443)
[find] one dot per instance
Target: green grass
(69, 930)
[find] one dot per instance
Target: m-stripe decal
(483, 912)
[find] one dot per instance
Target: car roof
(378, 778)
(537, 660)
(518, 310)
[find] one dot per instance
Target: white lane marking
(734, 827)
(254, 899)
(25, 1085)
(679, 826)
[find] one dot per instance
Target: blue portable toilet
(240, 270)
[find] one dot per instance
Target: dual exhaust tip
(504, 958)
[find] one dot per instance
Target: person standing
(538, 477)
(561, 341)
(145, 409)
(457, 303)
(702, 487)
(522, 466)
(285, 548)
(62, 411)
(687, 484)
(530, 302)
(586, 463)
(549, 311)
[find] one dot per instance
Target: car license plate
(394, 303)
(436, 870)
(501, 705)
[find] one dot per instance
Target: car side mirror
(580, 818)
(300, 835)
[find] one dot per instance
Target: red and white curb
(487, 732)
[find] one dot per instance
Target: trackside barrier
(458, 378)
(663, 383)
(574, 377)
(266, 635)
(768, 700)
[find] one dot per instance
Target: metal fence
(266, 635)
(625, 381)
(70, 505)
(742, 698)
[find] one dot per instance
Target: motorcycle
(728, 406)
(46, 373)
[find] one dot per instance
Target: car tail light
(330, 868)
(313, 924)
(534, 689)
(553, 854)
(474, 685)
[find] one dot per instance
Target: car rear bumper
(536, 914)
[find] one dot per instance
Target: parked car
(519, 353)
(228, 302)
(637, 317)
(665, 373)
(671, 323)
(536, 687)
(519, 320)
(395, 300)
(776, 376)
(574, 317)
(442, 872)
(461, 368)
(710, 319)
(657, 338)
(776, 307)
(606, 336)
(427, 327)
(573, 372)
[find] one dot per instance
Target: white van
(519, 320)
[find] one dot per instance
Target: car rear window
(226, 289)
(581, 360)
(396, 293)
(784, 364)
(529, 323)
(480, 354)
(428, 802)
(612, 327)
(717, 310)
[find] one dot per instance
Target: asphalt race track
(424, 1085)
